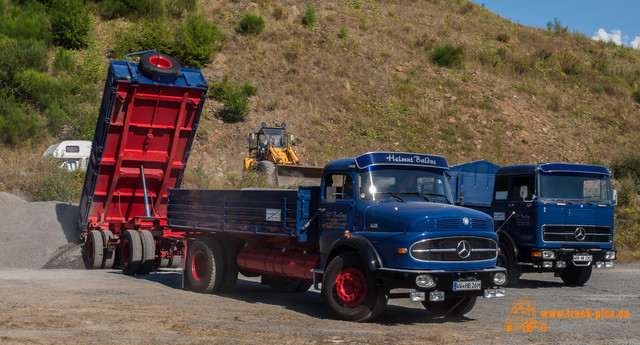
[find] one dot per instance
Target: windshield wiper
(393, 194)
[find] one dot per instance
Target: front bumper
(444, 280)
(567, 257)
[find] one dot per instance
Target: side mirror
(615, 197)
(524, 191)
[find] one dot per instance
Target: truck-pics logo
(523, 316)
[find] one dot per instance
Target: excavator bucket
(298, 175)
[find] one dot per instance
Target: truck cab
(554, 217)
(386, 221)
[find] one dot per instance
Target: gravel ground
(38, 234)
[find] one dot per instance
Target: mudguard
(361, 245)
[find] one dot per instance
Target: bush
(279, 13)
(556, 27)
(32, 54)
(197, 41)
(59, 185)
(251, 24)
(19, 123)
(26, 21)
(309, 18)
(234, 97)
(447, 56)
(636, 95)
(70, 24)
(63, 61)
(342, 34)
(627, 165)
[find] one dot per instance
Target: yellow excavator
(270, 153)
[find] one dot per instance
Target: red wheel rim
(161, 62)
(351, 287)
(198, 265)
(90, 249)
(125, 252)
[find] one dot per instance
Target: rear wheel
(507, 259)
(350, 291)
(109, 255)
(576, 275)
(204, 266)
(175, 261)
(93, 250)
(230, 274)
(148, 251)
(453, 307)
(162, 262)
(130, 252)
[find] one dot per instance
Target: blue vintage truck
(381, 225)
(553, 217)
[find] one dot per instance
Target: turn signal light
(402, 250)
(536, 254)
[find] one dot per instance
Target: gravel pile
(38, 234)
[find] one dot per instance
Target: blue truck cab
(553, 217)
(381, 225)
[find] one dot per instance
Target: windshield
(273, 137)
(575, 188)
(403, 184)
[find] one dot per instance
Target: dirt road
(104, 306)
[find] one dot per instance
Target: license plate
(583, 257)
(466, 285)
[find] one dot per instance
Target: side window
(522, 184)
(501, 188)
(338, 187)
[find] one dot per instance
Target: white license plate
(583, 257)
(466, 285)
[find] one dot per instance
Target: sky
(613, 20)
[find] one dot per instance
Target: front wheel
(507, 259)
(350, 291)
(454, 307)
(576, 275)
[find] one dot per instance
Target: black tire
(576, 275)
(93, 253)
(130, 252)
(109, 255)
(507, 259)
(175, 261)
(148, 252)
(268, 169)
(454, 307)
(230, 272)
(204, 267)
(158, 63)
(349, 289)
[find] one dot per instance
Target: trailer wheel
(576, 275)
(268, 169)
(204, 266)
(350, 291)
(454, 307)
(506, 259)
(109, 255)
(148, 251)
(130, 252)
(230, 272)
(158, 63)
(162, 262)
(93, 250)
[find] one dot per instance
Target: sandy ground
(104, 306)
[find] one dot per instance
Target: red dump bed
(144, 123)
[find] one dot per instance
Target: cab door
(516, 193)
(337, 203)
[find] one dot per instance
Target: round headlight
(425, 281)
(499, 278)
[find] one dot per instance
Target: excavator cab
(270, 152)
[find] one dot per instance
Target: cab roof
(373, 160)
(554, 168)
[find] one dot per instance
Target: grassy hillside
(441, 77)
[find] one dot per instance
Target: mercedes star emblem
(463, 249)
(580, 233)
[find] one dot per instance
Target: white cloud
(602, 35)
(636, 42)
